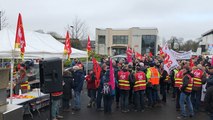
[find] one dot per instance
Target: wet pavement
(164, 112)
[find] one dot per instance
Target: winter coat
(78, 80)
(67, 88)
(91, 81)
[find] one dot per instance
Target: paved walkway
(165, 112)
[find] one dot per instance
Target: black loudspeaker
(51, 75)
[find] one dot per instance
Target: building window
(120, 39)
(101, 39)
(148, 44)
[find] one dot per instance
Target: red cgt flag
(97, 71)
(138, 56)
(89, 45)
(67, 46)
(150, 54)
(20, 39)
(129, 54)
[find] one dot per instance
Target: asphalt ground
(166, 111)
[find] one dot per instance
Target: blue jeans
(139, 99)
(55, 107)
(185, 98)
(124, 99)
(77, 100)
(196, 99)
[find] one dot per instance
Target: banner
(170, 62)
(182, 56)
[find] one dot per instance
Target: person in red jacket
(90, 78)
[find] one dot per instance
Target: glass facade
(120, 39)
(101, 39)
(148, 44)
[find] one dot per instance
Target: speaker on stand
(51, 77)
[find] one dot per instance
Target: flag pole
(87, 65)
(11, 77)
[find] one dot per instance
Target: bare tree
(175, 42)
(78, 29)
(3, 20)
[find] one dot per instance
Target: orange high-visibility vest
(123, 80)
(140, 81)
(154, 80)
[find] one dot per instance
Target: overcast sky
(181, 18)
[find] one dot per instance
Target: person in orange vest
(124, 86)
(56, 97)
(139, 89)
(198, 79)
(153, 81)
(185, 95)
(178, 83)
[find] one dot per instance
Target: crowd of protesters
(143, 84)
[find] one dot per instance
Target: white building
(207, 42)
(115, 41)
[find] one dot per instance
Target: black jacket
(209, 99)
(67, 88)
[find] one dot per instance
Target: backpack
(106, 89)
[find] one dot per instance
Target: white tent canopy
(38, 45)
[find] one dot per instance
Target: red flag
(138, 56)
(129, 54)
(89, 45)
(67, 46)
(97, 71)
(191, 63)
(150, 54)
(20, 39)
(112, 78)
(161, 52)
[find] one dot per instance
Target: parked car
(119, 57)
